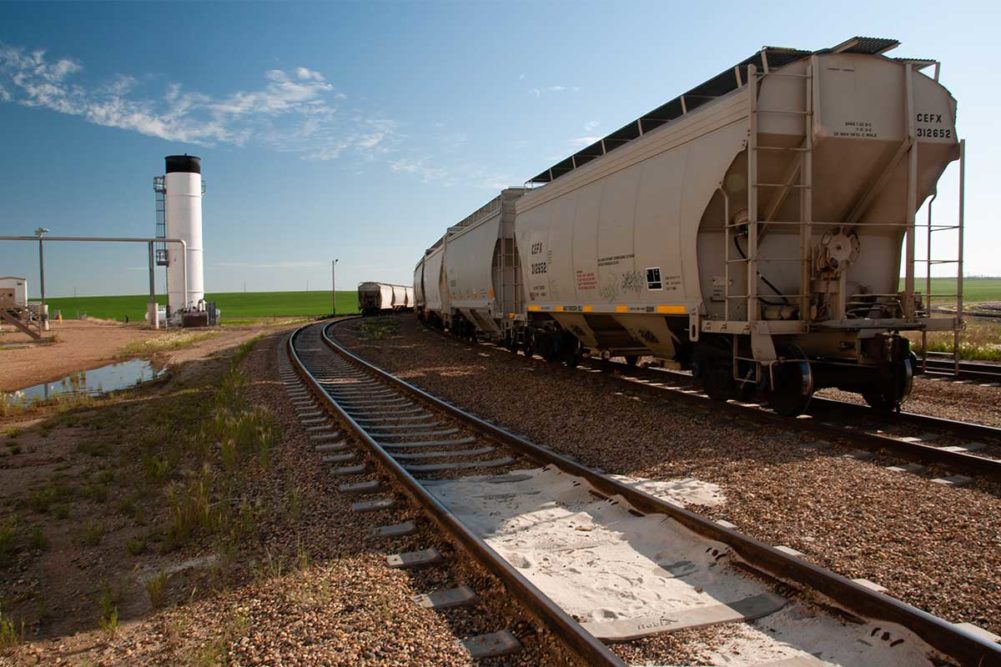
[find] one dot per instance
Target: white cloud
(582, 142)
(420, 167)
(293, 111)
(539, 92)
(590, 125)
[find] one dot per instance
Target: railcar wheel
(714, 369)
(889, 394)
(792, 384)
(631, 359)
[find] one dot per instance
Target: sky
(360, 131)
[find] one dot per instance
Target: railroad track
(424, 442)
(968, 449)
(939, 365)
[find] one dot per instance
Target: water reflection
(95, 381)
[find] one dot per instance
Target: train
(374, 298)
(752, 230)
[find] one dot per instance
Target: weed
(40, 500)
(378, 328)
(190, 507)
(15, 448)
(96, 492)
(302, 558)
(156, 589)
(109, 611)
(295, 503)
(98, 448)
(135, 545)
(93, 534)
(157, 468)
(11, 432)
(8, 534)
(127, 506)
(13, 403)
(61, 511)
(165, 343)
(37, 539)
(9, 634)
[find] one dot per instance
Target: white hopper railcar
(753, 229)
(376, 297)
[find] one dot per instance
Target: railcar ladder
(931, 261)
(798, 178)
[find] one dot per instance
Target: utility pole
(333, 284)
(42, 318)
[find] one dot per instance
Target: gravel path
(936, 547)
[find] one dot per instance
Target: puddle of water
(95, 381)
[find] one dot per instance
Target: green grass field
(235, 306)
(238, 306)
(974, 289)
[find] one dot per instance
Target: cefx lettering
(929, 118)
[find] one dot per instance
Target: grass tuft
(156, 589)
(109, 611)
(10, 636)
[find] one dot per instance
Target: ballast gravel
(933, 546)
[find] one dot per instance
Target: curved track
(405, 429)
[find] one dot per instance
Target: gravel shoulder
(935, 547)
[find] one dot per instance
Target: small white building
(14, 291)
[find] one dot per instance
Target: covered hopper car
(753, 230)
(374, 298)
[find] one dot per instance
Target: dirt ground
(77, 345)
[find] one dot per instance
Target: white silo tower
(183, 209)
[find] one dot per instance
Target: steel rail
(968, 370)
(589, 648)
(937, 632)
(972, 464)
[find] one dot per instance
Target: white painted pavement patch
(627, 576)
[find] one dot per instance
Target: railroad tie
(374, 505)
(953, 480)
(349, 470)
(428, 443)
(414, 559)
(339, 458)
(323, 437)
(491, 645)
(464, 465)
(443, 453)
(395, 530)
(907, 467)
(446, 598)
(339, 446)
(368, 486)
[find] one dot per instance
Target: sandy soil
(84, 344)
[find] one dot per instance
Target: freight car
(375, 297)
(753, 230)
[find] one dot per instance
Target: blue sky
(361, 130)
